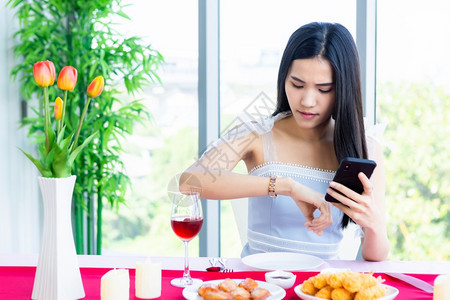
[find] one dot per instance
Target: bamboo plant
(81, 34)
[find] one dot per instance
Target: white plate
(278, 293)
(285, 261)
(391, 293)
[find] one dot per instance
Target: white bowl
(281, 278)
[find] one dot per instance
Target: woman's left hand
(309, 201)
(360, 208)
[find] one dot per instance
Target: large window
(412, 106)
(412, 75)
(253, 37)
(413, 97)
(165, 145)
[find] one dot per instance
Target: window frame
(209, 92)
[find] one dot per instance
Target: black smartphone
(347, 174)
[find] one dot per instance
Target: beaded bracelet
(272, 182)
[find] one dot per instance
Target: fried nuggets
(228, 289)
(355, 282)
(228, 285)
(344, 286)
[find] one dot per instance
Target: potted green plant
(81, 34)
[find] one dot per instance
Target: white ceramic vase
(57, 273)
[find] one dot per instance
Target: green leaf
(42, 169)
(77, 151)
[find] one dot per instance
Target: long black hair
(334, 43)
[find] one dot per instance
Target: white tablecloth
(200, 263)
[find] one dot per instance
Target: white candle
(148, 280)
(442, 287)
(115, 285)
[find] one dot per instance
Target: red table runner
(17, 282)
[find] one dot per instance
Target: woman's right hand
(308, 201)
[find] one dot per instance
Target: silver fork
(222, 261)
(213, 261)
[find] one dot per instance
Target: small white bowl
(281, 278)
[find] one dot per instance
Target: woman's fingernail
(332, 184)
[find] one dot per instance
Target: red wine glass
(186, 221)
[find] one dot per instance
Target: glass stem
(186, 274)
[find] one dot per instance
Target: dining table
(17, 273)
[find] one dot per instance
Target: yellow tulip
(59, 104)
(95, 88)
(67, 78)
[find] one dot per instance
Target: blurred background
(412, 110)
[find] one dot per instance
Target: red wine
(186, 228)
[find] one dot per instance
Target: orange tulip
(67, 78)
(44, 73)
(95, 88)
(51, 66)
(58, 108)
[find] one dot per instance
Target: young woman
(291, 156)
